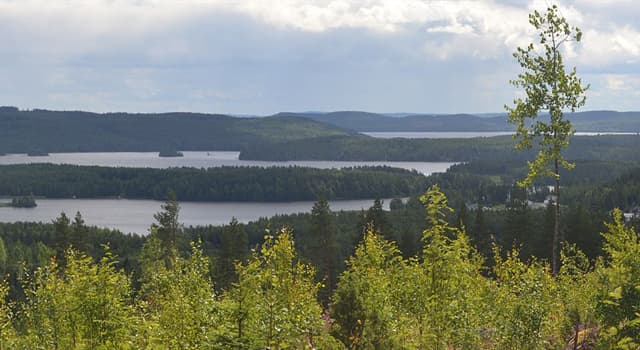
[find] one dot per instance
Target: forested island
(21, 202)
(272, 184)
(170, 153)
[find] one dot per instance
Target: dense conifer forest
(272, 184)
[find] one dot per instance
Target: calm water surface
(465, 134)
(135, 216)
(436, 134)
(201, 160)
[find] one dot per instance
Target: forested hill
(364, 121)
(58, 131)
(593, 121)
(364, 148)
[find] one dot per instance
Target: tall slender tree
(324, 247)
(62, 237)
(168, 227)
(548, 87)
(233, 248)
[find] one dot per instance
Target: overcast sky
(266, 56)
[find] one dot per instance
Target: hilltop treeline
(594, 121)
(212, 184)
(42, 131)
(363, 148)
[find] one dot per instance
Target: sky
(265, 56)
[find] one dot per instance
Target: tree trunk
(556, 226)
(576, 338)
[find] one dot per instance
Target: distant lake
(201, 160)
(135, 216)
(436, 134)
(467, 134)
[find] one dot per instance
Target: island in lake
(21, 202)
(38, 154)
(170, 153)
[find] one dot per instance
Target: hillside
(590, 121)
(364, 148)
(73, 131)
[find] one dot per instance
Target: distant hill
(73, 131)
(591, 121)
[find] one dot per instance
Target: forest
(271, 184)
(83, 288)
(363, 148)
(590, 121)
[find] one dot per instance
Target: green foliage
(578, 286)
(452, 287)
(274, 303)
(233, 248)
(365, 316)
(179, 307)
(384, 301)
(322, 247)
(168, 229)
(547, 87)
(619, 300)
(8, 337)
(377, 218)
(526, 307)
(80, 306)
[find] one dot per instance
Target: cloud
(258, 56)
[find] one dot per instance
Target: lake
(201, 160)
(468, 134)
(135, 216)
(436, 134)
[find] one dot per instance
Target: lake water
(465, 134)
(201, 160)
(436, 134)
(135, 216)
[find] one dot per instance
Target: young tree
(619, 301)
(233, 247)
(83, 305)
(62, 237)
(179, 304)
(549, 87)
(168, 227)
(377, 217)
(365, 317)
(79, 233)
(273, 304)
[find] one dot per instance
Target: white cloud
(241, 51)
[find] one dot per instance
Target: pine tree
(168, 228)
(233, 248)
(324, 248)
(62, 237)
